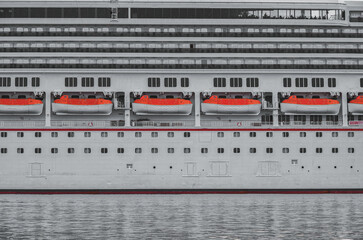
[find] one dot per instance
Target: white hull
(68, 109)
(34, 109)
(355, 109)
(298, 109)
(148, 109)
(213, 109)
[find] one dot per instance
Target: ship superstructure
(181, 96)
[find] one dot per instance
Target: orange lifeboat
(21, 107)
(242, 106)
(146, 106)
(355, 106)
(312, 106)
(74, 106)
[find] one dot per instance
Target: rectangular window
(104, 82)
(317, 82)
(299, 119)
(350, 150)
(287, 82)
(87, 134)
(169, 82)
(4, 134)
(35, 81)
(334, 150)
(70, 134)
(220, 134)
(186, 150)
(236, 134)
(252, 82)
(153, 82)
(170, 150)
(235, 82)
(252, 134)
(138, 150)
(54, 150)
(316, 119)
(20, 150)
(219, 82)
(120, 134)
(269, 150)
(204, 150)
(120, 150)
(104, 150)
(87, 150)
(184, 82)
(88, 82)
(302, 150)
(361, 82)
(154, 150)
(104, 134)
(38, 150)
(253, 150)
(302, 134)
(154, 134)
(319, 134)
(54, 134)
(186, 134)
(5, 82)
(285, 134)
(350, 134)
(269, 134)
(332, 82)
(301, 82)
(170, 134)
(285, 150)
(138, 134)
(21, 82)
(4, 150)
(334, 134)
(38, 134)
(70, 82)
(236, 150)
(319, 150)
(220, 150)
(70, 150)
(20, 134)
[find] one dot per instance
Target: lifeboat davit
(355, 106)
(170, 106)
(21, 107)
(315, 106)
(74, 106)
(242, 106)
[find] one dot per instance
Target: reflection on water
(181, 216)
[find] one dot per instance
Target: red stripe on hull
(184, 129)
(184, 191)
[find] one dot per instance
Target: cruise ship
(183, 96)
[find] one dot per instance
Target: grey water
(181, 216)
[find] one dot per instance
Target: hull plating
(34, 109)
(213, 109)
(148, 109)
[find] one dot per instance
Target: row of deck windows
(190, 13)
(315, 82)
(168, 82)
(19, 82)
(62, 12)
(171, 134)
(87, 82)
(154, 150)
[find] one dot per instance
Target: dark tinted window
(54, 12)
(6, 12)
(70, 13)
(103, 12)
(37, 12)
(21, 12)
(88, 12)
